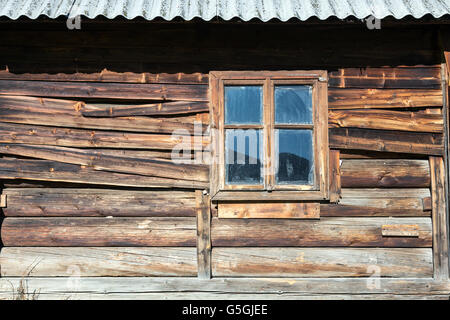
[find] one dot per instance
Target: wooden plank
(386, 120)
(43, 170)
(426, 202)
(290, 210)
(64, 137)
(65, 113)
(326, 232)
(111, 76)
(203, 235)
(335, 176)
(322, 262)
(386, 78)
(93, 232)
(98, 262)
(68, 202)
(97, 161)
(400, 230)
(2, 200)
(156, 109)
(387, 141)
(383, 98)
(374, 173)
(135, 91)
(234, 287)
(439, 217)
(447, 61)
(379, 203)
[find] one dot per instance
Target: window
(269, 135)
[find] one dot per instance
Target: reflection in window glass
(294, 157)
(293, 104)
(243, 159)
(243, 104)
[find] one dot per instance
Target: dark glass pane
(294, 157)
(243, 156)
(243, 104)
(293, 104)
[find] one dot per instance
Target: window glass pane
(243, 156)
(243, 104)
(293, 104)
(294, 157)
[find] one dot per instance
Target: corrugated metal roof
(226, 9)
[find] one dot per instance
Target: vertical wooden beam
(335, 176)
(439, 217)
(445, 74)
(203, 234)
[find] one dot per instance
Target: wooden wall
(90, 187)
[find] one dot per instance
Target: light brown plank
(203, 235)
(400, 230)
(292, 210)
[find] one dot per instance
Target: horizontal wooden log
(64, 137)
(326, 232)
(385, 78)
(383, 98)
(386, 173)
(43, 170)
(65, 113)
(386, 120)
(386, 141)
(293, 210)
(111, 76)
(138, 91)
(92, 232)
(97, 161)
(97, 262)
(54, 202)
(400, 230)
(322, 262)
(166, 108)
(134, 288)
(379, 203)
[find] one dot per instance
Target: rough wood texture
(385, 98)
(2, 200)
(387, 141)
(439, 217)
(167, 108)
(43, 170)
(326, 232)
(67, 202)
(321, 262)
(203, 235)
(95, 160)
(88, 232)
(48, 135)
(379, 203)
(385, 78)
(62, 89)
(400, 230)
(97, 262)
(292, 210)
(386, 120)
(335, 176)
(356, 173)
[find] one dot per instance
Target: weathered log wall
(90, 185)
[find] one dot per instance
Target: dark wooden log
(166, 108)
(379, 203)
(98, 262)
(43, 170)
(386, 141)
(386, 78)
(64, 113)
(65, 137)
(326, 232)
(383, 98)
(322, 262)
(86, 232)
(62, 202)
(97, 161)
(61, 89)
(386, 120)
(388, 173)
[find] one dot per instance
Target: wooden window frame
(219, 190)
